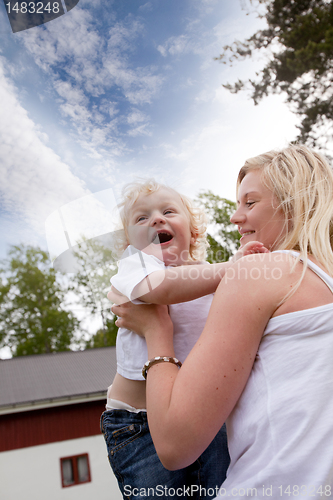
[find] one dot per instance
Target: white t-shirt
(188, 318)
(280, 433)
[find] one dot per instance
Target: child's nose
(158, 219)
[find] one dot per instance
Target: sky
(118, 90)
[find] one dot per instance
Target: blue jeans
(138, 469)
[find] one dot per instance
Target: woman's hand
(143, 319)
(117, 297)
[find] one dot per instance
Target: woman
(264, 359)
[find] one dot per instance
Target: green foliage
(105, 336)
(299, 42)
(32, 317)
(223, 238)
(96, 265)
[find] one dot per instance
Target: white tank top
(280, 433)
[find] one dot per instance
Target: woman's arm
(197, 399)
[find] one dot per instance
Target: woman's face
(257, 216)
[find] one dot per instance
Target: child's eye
(141, 218)
(169, 211)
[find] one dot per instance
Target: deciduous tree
(223, 236)
(33, 319)
(95, 266)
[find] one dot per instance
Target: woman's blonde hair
(302, 181)
(196, 215)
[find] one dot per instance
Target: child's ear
(193, 239)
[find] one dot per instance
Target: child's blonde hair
(196, 215)
(302, 181)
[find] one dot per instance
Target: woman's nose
(237, 217)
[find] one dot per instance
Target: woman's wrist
(159, 346)
(157, 360)
(159, 341)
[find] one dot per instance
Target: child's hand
(248, 249)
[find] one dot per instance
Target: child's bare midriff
(132, 392)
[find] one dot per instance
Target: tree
(95, 265)
(223, 238)
(105, 336)
(299, 43)
(33, 319)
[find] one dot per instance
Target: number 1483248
(33, 7)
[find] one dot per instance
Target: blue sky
(115, 90)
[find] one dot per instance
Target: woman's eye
(249, 203)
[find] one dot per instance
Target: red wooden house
(50, 440)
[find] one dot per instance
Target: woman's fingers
(139, 318)
(115, 308)
(116, 297)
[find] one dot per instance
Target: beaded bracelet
(158, 359)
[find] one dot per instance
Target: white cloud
(162, 50)
(139, 123)
(136, 116)
(146, 7)
(83, 64)
(177, 45)
(69, 37)
(140, 130)
(68, 91)
(34, 180)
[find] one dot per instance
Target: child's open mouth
(162, 237)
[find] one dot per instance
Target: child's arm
(185, 283)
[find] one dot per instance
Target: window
(75, 470)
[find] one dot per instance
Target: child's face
(159, 225)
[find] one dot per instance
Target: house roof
(32, 380)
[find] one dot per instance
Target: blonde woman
(263, 362)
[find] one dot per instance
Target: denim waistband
(118, 416)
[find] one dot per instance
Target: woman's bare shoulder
(274, 263)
